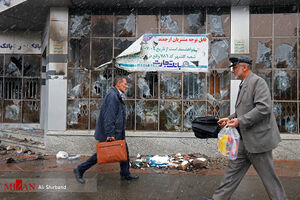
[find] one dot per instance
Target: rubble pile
(13, 154)
(190, 162)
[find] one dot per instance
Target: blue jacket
(111, 121)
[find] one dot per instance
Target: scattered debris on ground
(190, 162)
(14, 154)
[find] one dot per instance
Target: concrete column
(239, 43)
(55, 90)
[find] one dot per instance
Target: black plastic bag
(206, 127)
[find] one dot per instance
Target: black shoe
(130, 177)
(78, 176)
(207, 198)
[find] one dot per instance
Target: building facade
(53, 85)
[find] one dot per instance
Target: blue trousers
(124, 165)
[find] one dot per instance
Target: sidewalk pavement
(103, 181)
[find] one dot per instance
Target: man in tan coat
(259, 133)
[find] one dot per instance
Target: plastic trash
(62, 154)
(228, 142)
(158, 160)
(73, 157)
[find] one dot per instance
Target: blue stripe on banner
(149, 65)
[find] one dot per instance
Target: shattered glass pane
(147, 85)
(285, 53)
(146, 115)
(80, 25)
(12, 111)
(147, 21)
(31, 112)
(102, 25)
(194, 86)
(31, 88)
(218, 84)
(1, 65)
(95, 106)
(79, 53)
(170, 85)
(121, 45)
(130, 92)
(219, 21)
(261, 19)
(261, 52)
(218, 54)
(78, 84)
(267, 76)
(12, 88)
(32, 65)
(102, 51)
(219, 108)
(285, 21)
(170, 116)
(125, 25)
(194, 21)
(78, 114)
(191, 110)
(171, 21)
(286, 116)
(13, 65)
(130, 118)
(101, 83)
(285, 84)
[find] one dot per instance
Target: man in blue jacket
(110, 126)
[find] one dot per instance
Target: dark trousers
(124, 165)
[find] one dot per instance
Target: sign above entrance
(161, 52)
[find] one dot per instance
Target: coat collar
(243, 90)
(117, 93)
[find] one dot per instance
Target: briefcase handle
(110, 139)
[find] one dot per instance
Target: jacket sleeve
(262, 105)
(110, 115)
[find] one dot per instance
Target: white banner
(162, 52)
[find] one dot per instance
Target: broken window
(12, 111)
(101, 83)
(170, 85)
(286, 116)
(219, 108)
(78, 114)
(286, 53)
(171, 21)
(80, 25)
(192, 110)
(261, 52)
(147, 115)
(218, 54)
(31, 111)
(125, 24)
(194, 86)
(32, 66)
(13, 65)
(285, 84)
(31, 88)
(219, 84)
(195, 21)
(219, 22)
(170, 116)
(147, 85)
(95, 106)
(78, 84)
(121, 44)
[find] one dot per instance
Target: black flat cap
(240, 58)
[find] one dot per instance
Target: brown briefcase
(114, 151)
